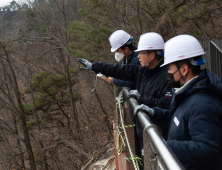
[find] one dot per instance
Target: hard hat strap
(146, 64)
(124, 53)
(180, 73)
(146, 68)
(178, 69)
(147, 57)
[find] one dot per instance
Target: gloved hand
(85, 63)
(135, 94)
(144, 108)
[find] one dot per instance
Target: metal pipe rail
(212, 47)
(216, 58)
(158, 155)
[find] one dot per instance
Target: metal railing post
(209, 57)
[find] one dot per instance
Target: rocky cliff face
(104, 159)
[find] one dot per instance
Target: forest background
(49, 118)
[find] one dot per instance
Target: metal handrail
(215, 45)
(216, 58)
(164, 154)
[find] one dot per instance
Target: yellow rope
(129, 159)
(133, 159)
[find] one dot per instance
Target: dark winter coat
(151, 83)
(132, 59)
(195, 126)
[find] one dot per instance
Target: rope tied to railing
(133, 159)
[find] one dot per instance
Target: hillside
(10, 22)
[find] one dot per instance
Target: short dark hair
(128, 44)
(158, 57)
(195, 69)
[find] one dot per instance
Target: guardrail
(212, 47)
(206, 46)
(157, 154)
(216, 58)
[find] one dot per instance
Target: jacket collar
(131, 56)
(177, 90)
(189, 89)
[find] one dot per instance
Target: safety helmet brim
(114, 49)
(149, 48)
(184, 57)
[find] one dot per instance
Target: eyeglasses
(144, 53)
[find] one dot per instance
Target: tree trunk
(18, 143)
(74, 114)
(37, 121)
(21, 110)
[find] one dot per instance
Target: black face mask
(171, 82)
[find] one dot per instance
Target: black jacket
(132, 59)
(151, 83)
(195, 116)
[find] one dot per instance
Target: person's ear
(126, 50)
(184, 70)
(152, 55)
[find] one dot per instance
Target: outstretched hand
(109, 79)
(86, 63)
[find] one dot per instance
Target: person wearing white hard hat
(151, 86)
(122, 44)
(195, 115)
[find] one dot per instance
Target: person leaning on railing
(151, 86)
(122, 44)
(195, 113)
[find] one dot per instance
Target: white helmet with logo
(118, 39)
(181, 47)
(150, 41)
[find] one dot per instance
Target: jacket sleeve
(161, 117)
(135, 61)
(122, 83)
(162, 101)
(205, 132)
(118, 71)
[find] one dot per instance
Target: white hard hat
(118, 39)
(181, 47)
(150, 41)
